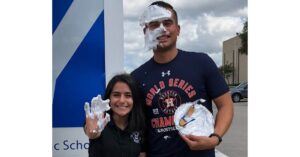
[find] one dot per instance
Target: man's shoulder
(138, 71)
(192, 54)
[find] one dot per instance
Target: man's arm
(225, 113)
(223, 122)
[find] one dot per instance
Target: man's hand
(200, 142)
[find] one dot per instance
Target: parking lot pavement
(235, 140)
(219, 154)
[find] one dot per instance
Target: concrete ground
(235, 140)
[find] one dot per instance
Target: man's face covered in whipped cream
(160, 28)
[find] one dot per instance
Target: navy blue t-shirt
(188, 77)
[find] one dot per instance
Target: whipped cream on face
(151, 37)
(151, 14)
(154, 13)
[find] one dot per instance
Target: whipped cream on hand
(97, 112)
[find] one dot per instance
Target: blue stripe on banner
(81, 79)
(59, 9)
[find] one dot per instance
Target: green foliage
(226, 70)
(244, 38)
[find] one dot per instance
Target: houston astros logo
(169, 101)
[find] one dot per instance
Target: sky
(205, 24)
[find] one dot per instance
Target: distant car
(239, 92)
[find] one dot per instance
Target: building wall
(239, 61)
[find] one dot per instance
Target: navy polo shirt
(114, 142)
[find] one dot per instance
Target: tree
(244, 38)
(226, 70)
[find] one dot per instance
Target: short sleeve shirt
(114, 142)
(188, 77)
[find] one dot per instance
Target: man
(173, 77)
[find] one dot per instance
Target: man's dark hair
(166, 6)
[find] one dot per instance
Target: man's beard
(165, 48)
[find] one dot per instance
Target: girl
(123, 136)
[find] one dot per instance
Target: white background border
(25, 82)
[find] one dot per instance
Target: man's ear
(178, 30)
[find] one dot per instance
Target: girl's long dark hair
(136, 118)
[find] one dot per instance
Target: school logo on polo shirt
(135, 136)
